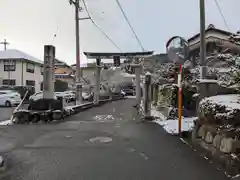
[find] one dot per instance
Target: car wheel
(8, 104)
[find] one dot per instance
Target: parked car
(129, 92)
(20, 89)
(38, 95)
(87, 96)
(121, 93)
(72, 95)
(67, 96)
(9, 98)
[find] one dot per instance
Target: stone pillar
(147, 95)
(138, 85)
(155, 94)
(97, 78)
(48, 72)
(78, 93)
(116, 61)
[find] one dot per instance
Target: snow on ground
(171, 125)
(7, 122)
(156, 113)
(103, 118)
(131, 97)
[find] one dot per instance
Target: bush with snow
(220, 110)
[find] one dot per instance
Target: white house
(20, 69)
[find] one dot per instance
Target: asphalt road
(71, 151)
(5, 113)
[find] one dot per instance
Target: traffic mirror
(177, 50)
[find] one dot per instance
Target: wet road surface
(101, 143)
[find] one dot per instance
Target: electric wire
(220, 11)
(129, 23)
(98, 27)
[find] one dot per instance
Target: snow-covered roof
(16, 54)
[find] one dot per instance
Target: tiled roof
(16, 54)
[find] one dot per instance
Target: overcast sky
(30, 24)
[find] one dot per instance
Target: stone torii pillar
(48, 72)
(147, 95)
(97, 78)
(137, 66)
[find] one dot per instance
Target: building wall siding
(20, 74)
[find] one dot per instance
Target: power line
(220, 11)
(98, 27)
(126, 18)
(59, 19)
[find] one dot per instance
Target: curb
(78, 109)
(22, 117)
(219, 160)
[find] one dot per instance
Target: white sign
(179, 80)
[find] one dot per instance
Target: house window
(9, 82)
(30, 83)
(9, 65)
(30, 67)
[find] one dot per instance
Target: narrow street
(101, 143)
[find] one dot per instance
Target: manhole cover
(101, 139)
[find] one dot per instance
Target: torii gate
(116, 56)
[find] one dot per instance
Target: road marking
(131, 150)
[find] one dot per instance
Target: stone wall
(217, 130)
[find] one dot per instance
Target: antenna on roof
(5, 43)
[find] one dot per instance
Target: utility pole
(78, 68)
(203, 69)
(5, 43)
